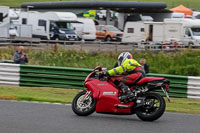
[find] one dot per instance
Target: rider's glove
(104, 74)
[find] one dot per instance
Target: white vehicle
(50, 25)
(183, 31)
(101, 14)
(13, 31)
(4, 21)
(177, 15)
(196, 14)
(86, 29)
(12, 28)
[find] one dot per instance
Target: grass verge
(41, 94)
(65, 96)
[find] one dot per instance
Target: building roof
(119, 6)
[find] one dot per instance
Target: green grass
(178, 63)
(65, 96)
(41, 94)
(183, 105)
(170, 3)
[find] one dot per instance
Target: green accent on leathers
(128, 65)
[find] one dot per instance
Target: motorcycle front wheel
(153, 109)
(83, 106)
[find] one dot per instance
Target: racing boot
(128, 93)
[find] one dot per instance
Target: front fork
(86, 96)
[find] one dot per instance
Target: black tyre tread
(79, 112)
(158, 114)
(107, 38)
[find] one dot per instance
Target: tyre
(190, 44)
(154, 108)
(57, 39)
(108, 39)
(83, 107)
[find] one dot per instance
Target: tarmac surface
(24, 117)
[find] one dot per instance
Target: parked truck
(180, 30)
(50, 25)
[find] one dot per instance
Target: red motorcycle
(103, 96)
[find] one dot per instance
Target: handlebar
(97, 76)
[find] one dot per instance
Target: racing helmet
(124, 56)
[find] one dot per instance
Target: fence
(93, 46)
(65, 77)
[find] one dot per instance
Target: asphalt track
(23, 117)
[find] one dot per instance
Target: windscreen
(196, 31)
(64, 25)
(112, 28)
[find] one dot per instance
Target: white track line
(36, 102)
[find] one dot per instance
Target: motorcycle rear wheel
(154, 108)
(83, 107)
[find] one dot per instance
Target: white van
(86, 29)
(50, 25)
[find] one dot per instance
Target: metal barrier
(193, 87)
(9, 74)
(97, 46)
(74, 77)
(45, 76)
(65, 77)
(178, 84)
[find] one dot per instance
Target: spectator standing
(20, 57)
(144, 65)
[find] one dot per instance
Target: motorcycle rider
(131, 70)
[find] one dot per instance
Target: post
(31, 43)
(116, 47)
(65, 44)
(81, 47)
(161, 46)
(107, 17)
(99, 47)
(47, 44)
(133, 46)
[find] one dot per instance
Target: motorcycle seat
(148, 79)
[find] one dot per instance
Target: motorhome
(180, 30)
(86, 29)
(50, 25)
(4, 21)
(7, 28)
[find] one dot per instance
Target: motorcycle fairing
(148, 79)
(107, 97)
